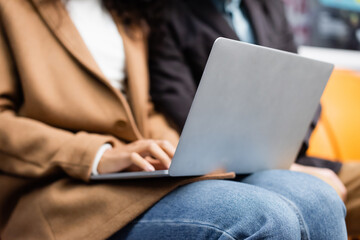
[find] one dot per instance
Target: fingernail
(150, 168)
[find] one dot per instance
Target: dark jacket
(179, 48)
(177, 59)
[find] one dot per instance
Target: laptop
(251, 112)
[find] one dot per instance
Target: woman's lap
(260, 206)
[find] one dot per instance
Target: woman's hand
(141, 155)
(324, 174)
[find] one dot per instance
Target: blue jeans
(275, 204)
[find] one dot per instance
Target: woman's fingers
(156, 163)
(158, 153)
(167, 147)
(140, 162)
(146, 155)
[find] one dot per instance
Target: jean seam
(304, 235)
(185, 222)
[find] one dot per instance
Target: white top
(100, 34)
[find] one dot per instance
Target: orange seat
(337, 134)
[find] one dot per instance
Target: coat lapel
(59, 22)
(259, 23)
(61, 25)
(205, 10)
(137, 73)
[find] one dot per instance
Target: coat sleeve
(29, 148)
(172, 85)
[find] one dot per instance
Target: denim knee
(272, 217)
(298, 186)
(326, 211)
(321, 208)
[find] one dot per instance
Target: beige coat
(56, 110)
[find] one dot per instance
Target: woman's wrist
(98, 156)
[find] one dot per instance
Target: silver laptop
(251, 112)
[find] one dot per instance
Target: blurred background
(329, 30)
(325, 23)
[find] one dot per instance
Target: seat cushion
(337, 135)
